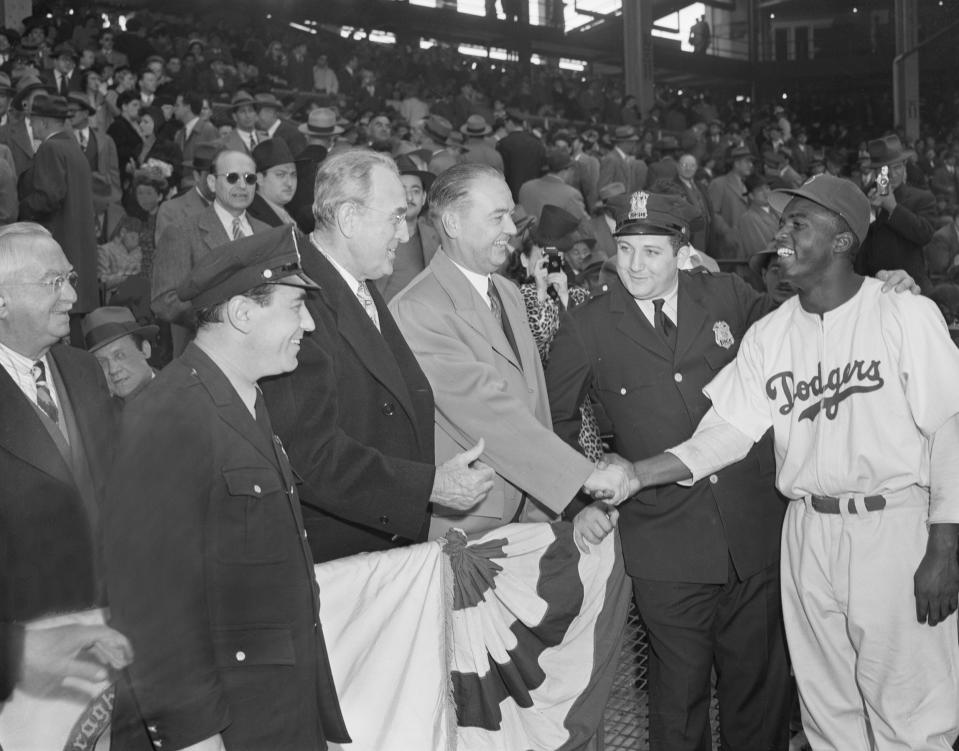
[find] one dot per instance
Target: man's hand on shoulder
(463, 481)
(898, 281)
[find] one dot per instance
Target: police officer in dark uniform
(207, 561)
(704, 559)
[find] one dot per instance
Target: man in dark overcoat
(207, 563)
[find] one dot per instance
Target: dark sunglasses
(234, 177)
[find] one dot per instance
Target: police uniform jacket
(210, 575)
(654, 399)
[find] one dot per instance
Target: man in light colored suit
(233, 182)
(467, 326)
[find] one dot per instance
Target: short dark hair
(193, 101)
(261, 295)
(126, 97)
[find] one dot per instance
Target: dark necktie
(44, 397)
(496, 306)
(665, 327)
(237, 228)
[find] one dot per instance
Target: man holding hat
(276, 182)
(122, 347)
(904, 217)
(56, 192)
(206, 558)
(704, 559)
(858, 389)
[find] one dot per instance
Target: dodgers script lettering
(838, 385)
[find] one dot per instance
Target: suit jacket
(49, 77)
(633, 173)
(9, 202)
(755, 229)
(234, 142)
(896, 240)
(14, 135)
(47, 516)
(700, 229)
(551, 189)
(941, 251)
(411, 258)
(127, 140)
(483, 391)
(101, 154)
(203, 517)
(56, 192)
(523, 158)
(178, 210)
(728, 199)
(585, 178)
(301, 206)
(356, 417)
(653, 397)
(178, 250)
(203, 132)
(480, 151)
(291, 134)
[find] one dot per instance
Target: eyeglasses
(234, 177)
(396, 217)
(56, 284)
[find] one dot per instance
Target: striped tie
(364, 296)
(237, 231)
(44, 397)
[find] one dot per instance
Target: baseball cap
(836, 194)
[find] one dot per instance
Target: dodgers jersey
(853, 395)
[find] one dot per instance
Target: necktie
(44, 397)
(364, 296)
(253, 140)
(496, 306)
(665, 326)
(83, 140)
(237, 230)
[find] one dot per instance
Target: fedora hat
(555, 223)
(267, 99)
(80, 99)
(105, 325)
(741, 152)
(625, 133)
(439, 128)
(887, 151)
(270, 153)
(475, 127)
(54, 107)
(411, 164)
(25, 87)
(6, 88)
(321, 122)
(240, 99)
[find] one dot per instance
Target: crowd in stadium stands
(143, 146)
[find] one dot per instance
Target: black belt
(826, 504)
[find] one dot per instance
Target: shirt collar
(479, 282)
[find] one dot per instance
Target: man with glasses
(232, 180)
(53, 461)
(357, 415)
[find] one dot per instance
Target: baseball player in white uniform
(861, 391)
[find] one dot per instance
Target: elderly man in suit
(57, 421)
(56, 191)
(727, 194)
(620, 165)
(276, 181)
(357, 415)
(206, 558)
(414, 254)
(190, 201)
(195, 131)
(232, 180)
(904, 221)
(704, 559)
(468, 328)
